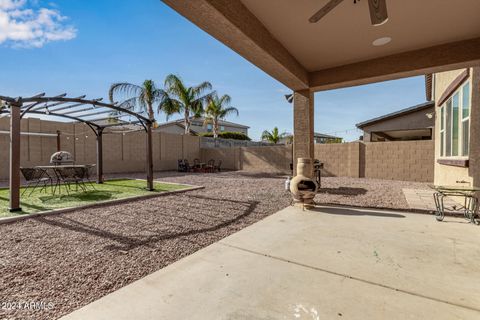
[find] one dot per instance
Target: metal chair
(196, 165)
(218, 167)
(35, 177)
(188, 168)
(69, 175)
(210, 167)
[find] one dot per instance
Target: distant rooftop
(396, 114)
(202, 119)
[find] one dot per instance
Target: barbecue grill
(61, 158)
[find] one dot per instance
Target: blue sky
(92, 44)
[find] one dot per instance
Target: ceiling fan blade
(326, 9)
(378, 11)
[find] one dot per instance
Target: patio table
(470, 203)
(56, 174)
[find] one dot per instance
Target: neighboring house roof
(320, 135)
(396, 114)
(428, 86)
(202, 119)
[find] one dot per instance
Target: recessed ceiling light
(381, 41)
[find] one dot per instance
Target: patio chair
(210, 167)
(218, 167)
(182, 166)
(68, 176)
(35, 177)
(197, 167)
(187, 165)
(90, 174)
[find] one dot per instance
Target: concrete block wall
(400, 160)
(121, 152)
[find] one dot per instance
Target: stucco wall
(121, 153)
(445, 174)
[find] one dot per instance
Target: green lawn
(110, 190)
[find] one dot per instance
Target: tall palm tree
(139, 98)
(182, 99)
(273, 136)
(217, 109)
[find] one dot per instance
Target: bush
(228, 135)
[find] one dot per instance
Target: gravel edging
(12, 219)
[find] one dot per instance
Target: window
(222, 128)
(455, 124)
(209, 127)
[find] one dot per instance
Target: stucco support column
(303, 126)
(15, 157)
(150, 158)
(100, 155)
(474, 148)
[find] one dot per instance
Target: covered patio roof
(276, 35)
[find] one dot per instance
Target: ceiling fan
(378, 11)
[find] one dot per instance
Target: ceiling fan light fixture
(381, 41)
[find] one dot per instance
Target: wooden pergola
(92, 112)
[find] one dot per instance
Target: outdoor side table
(470, 203)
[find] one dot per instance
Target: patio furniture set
(62, 172)
(197, 166)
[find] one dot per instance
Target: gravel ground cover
(370, 193)
(69, 260)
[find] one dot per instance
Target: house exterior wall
(447, 174)
(200, 128)
(414, 120)
(171, 128)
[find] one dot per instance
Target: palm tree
(218, 109)
(274, 136)
(182, 99)
(140, 98)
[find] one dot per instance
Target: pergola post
(149, 158)
(59, 147)
(303, 126)
(15, 157)
(100, 155)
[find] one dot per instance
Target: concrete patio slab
(331, 263)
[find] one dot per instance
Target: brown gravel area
(73, 259)
(371, 193)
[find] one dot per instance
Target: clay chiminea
(302, 187)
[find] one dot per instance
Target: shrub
(228, 135)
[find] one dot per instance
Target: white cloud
(26, 27)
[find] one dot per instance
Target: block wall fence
(399, 160)
(123, 153)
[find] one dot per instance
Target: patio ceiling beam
(439, 58)
(230, 22)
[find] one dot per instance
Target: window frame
(461, 120)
